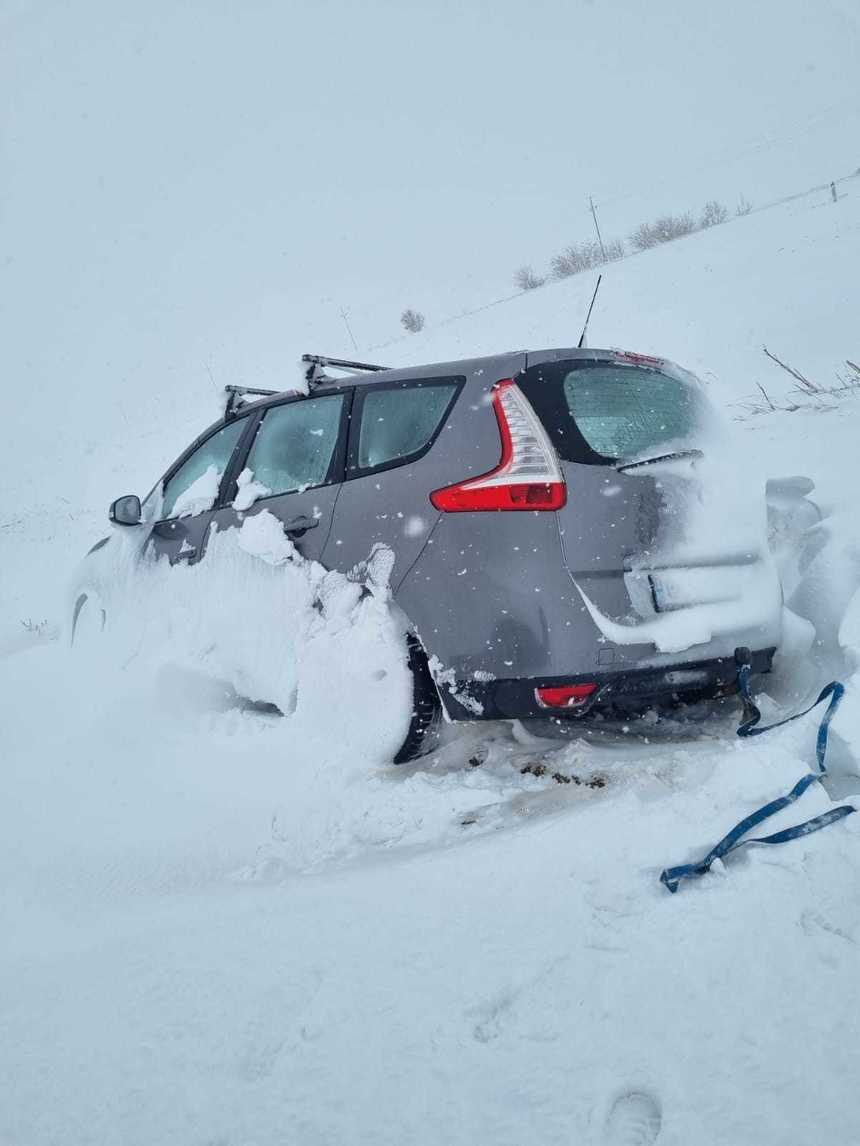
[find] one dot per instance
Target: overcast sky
(207, 184)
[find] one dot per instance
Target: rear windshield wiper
(660, 458)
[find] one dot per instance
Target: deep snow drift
(227, 927)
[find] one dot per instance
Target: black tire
(422, 736)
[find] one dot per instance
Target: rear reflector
(564, 695)
(528, 475)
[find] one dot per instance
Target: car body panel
(293, 510)
(180, 539)
(392, 506)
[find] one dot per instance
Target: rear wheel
(425, 721)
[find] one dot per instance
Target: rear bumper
(631, 691)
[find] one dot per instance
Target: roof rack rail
(235, 395)
(315, 375)
(341, 363)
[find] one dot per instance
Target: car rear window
(605, 411)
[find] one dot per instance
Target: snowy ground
(224, 928)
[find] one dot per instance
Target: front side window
(398, 423)
(193, 488)
(295, 444)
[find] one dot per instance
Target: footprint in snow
(634, 1120)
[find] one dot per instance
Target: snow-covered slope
(223, 928)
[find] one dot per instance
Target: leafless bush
(849, 380)
(36, 628)
(810, 395)
(744, 206)
(526, 279)
(644, 237)
(412, 320)
(572, 260)
(662, 230)
(614, 249)
(806, 385)
(713, 214)
(584, 256)
(566, 263)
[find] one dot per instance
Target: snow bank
(258, 622)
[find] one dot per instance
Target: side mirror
(125, 510)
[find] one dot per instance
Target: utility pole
(348, 329)
(596, 227)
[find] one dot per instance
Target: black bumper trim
(636, 689)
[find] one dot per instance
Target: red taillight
(564, 695)
(528, 475)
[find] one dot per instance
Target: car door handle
(300, 525)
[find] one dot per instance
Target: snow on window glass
(624, 411)
(596, 411)
(200, 495)
(248, 489)
(194, 487)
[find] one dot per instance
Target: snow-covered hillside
(225, 928)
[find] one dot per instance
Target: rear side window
(193, 488)
(398, 424)
(296, 443)
(604, 411)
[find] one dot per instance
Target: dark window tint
(398, 423)
(194, 487)
(598, 411)
(295, 444)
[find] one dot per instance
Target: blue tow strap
(749, 726)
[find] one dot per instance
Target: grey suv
(535, 503)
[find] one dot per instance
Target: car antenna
(581, 342)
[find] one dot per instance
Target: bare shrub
(614, 249)
(851, 380)
(571, 261)
(744, 206)
(584, 256)
(675, 226)
(713, 214)
(526, 279)
(662, 230)
(36, 628)
(412, 320)
(806, 384)
(644, 237)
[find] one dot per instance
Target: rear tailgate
(650, 526)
